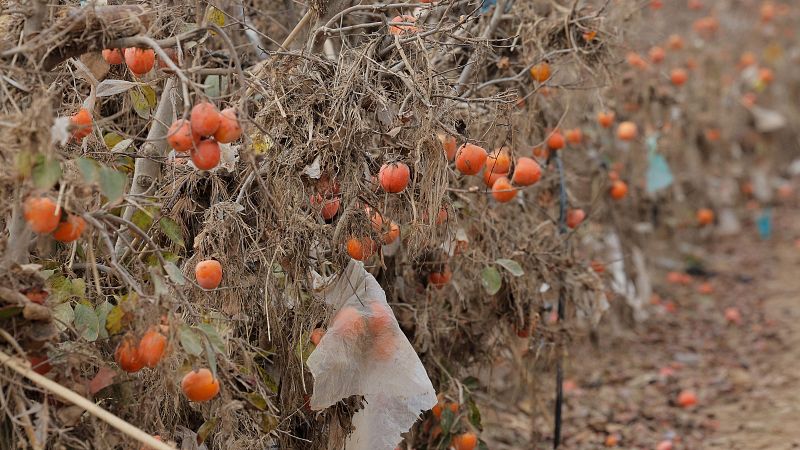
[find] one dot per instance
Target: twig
(73, 397)
(562, 230)
(487, 33)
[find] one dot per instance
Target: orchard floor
(746, 376)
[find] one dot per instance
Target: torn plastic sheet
(364, 352)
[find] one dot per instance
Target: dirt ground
(622, 392)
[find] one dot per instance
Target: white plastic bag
(365, 353)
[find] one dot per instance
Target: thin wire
(562, 230)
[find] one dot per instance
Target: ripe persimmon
(152, 347)
(81, 122)
(465, 441)
(208, 273)
(40, 364)
(449, 145)
(733, 315)
(636, 61)
(172, 52)
(147, 447)
(605, 118)
(503, 191)
(36, 295)
(491, 176)
(229, 129)
(316, 335)
(180, 136)
(575, 217)
(70, 229)
(678, 76)
(394, 177)
(664, 445)
(113, 56)
(442, 216)
(765, 75)
(499, 160)
(656, 54)
(205, 119)
(349, 323)
(705, 216)
(402, 29)
(541, 72)
(618, 190)
(767, 11)
(470, 159)
(361, 248)
(574, 136)
(200, 385)
(206, 154)
(329, 206)
(627, 131)
(526, 172)
(747, 59)
(675, 42)
(41, 213)
(127, 356)
(687, 399)
(555, 141)
(140, 60)
(440, 279)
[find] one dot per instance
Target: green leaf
(175, 273)
(213, 336)
(11, 311)
(86, 322)
(206, 429)
(88, 168)
(212, 358)
(60, 288)
(63, 315)
(78, 287)
(102, 311)
(24, 163)
(511, 266)
(190, 340)
(112, 139)
(255, 399)
(172, 230)
(474, 413)
(46, 172)
(267, 379)
(143, 100)
(491, 280)
(269, 423)
(448, 417)
(112, 184)
(114, 320)
(144, 218)
(215, 85)
(471, 383)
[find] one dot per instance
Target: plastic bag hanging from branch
(364, 352)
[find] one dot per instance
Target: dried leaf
(172, 230)
(103, 379)
(190, 340)
(112, 183)
(86, 322)
(110, 87)
(512, 266)
(46, 172)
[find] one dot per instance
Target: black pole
(562, 230)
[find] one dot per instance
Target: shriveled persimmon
(206, 155)
(328, 207)
(526, 172)
(140, 60)
(229, 129)
(394, 177)
(503, 191)
(127, 356)
(208, 273)
(40, 364)
(70, 229)
(205, 119)
(152, 347)
(470, 159)
(200, 385)
(41, 214)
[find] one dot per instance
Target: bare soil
(621, 391)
